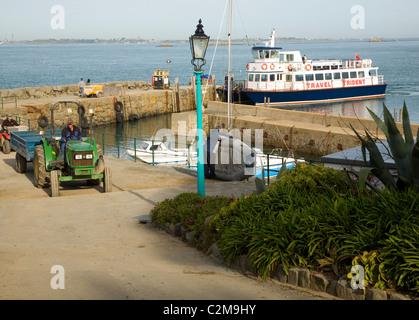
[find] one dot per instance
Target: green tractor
(81, 160)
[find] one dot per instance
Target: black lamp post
(199, 43)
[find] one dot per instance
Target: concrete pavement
(104, 251)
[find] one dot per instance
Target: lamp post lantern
(199, 43)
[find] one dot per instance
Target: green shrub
(318, 225)
(190, 209)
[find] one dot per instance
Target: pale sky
(177, 19)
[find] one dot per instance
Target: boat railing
(381, 79)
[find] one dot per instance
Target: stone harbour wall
(139, 99)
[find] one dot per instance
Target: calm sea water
(41, 65)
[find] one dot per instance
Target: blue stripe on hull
(313, 96)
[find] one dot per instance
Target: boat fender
(308, 67)
(118, 106)
(264, 66)
(84, 123)
(43, 122)
(133, 117)
(81, 110)
(120, 117)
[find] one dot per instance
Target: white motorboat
(157, 152)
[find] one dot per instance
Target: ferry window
(373, 73)
(255, 54)
(309, 77)
(272, 77)
(289, 78)
(281, 58)
(257, 77)
(320, 77)
(267, 54)
(345, 75)
(274, 54)
(353, 74)
(336, 75)
(290, 57)
(264, 77)
(299, 77)
(251, 77)
(279, 77)
(328, 76)
(361, 74)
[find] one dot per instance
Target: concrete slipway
(104, 250)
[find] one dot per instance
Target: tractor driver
(70, 132)
(9, 122)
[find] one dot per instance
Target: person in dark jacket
(9, 122)
(70, 132)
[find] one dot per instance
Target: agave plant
(404, 151)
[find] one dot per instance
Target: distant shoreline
(167, 43)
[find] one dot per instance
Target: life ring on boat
(289, 67)
(272, 66)
(308, 67)
(247, 67)
(264, 66)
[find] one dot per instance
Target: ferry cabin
(276, 70)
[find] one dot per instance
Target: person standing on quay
(81, 86)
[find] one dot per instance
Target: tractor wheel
(55, 183)
(39, 170)
(20, 163)
(107, 180)
(98, 94)
(6, 146)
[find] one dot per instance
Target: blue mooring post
(200, 142)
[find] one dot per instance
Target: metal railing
(118, 145)
(5, 101)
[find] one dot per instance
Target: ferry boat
(279, 77)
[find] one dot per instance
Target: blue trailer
(24, 143)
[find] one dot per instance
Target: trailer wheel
(20, 163)
(39, 170)
(107, 180)
(6, 146)
(55, 183)
(98, 94)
